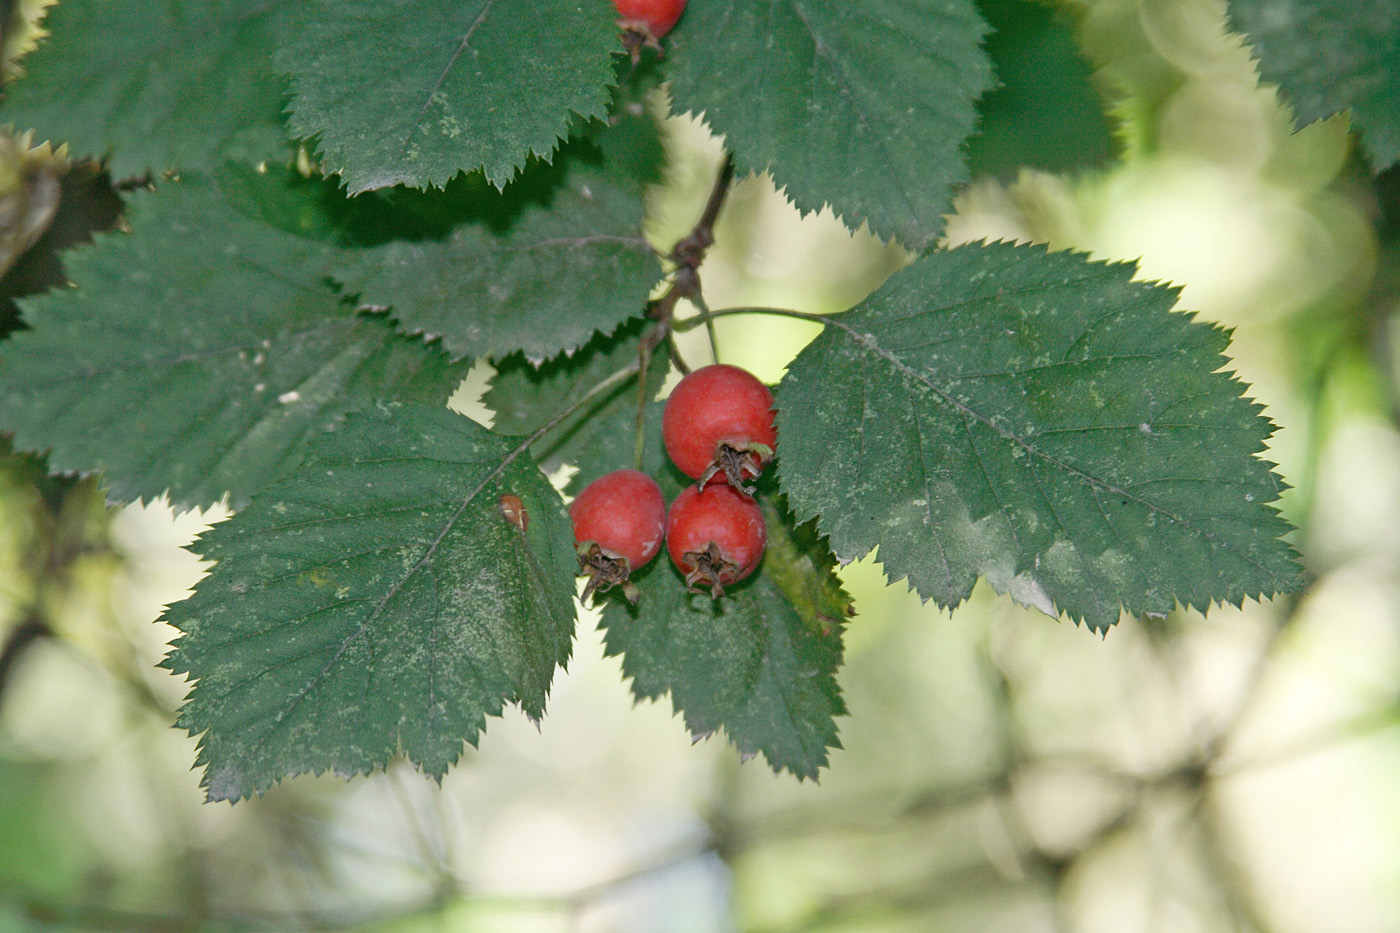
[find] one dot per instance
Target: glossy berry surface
(715, 536)
(624, 514)
(656, 16)
(719, 419)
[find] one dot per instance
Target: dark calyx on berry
(737, 465)
(710, 569)
(604, 572)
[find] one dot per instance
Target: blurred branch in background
(55, 522)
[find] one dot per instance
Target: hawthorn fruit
(715, 536)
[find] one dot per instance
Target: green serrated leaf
(864, 106)
(133, 81)
(200, 352)
(1328, 57)
(751, 663)
(1040, 420)
(412, 92)
(375, 602)
(600, 437)
(539, 268)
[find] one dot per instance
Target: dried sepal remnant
(736, 465)
(709, 568)
(604, 571)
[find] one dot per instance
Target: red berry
(719, 419)
(653, 17)
(619, 522)
(715, 536)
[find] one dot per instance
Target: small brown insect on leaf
(514, 511)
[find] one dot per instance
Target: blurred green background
(1002, 771)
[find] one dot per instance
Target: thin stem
(690, 250)
(704, 311)
(599, 388)
(7, 19)
(717, 194)
(689, 253)
(643, 364)
(706, 316)
(677, 360)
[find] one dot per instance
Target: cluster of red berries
(717, 427)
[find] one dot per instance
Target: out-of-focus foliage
(1328, 57)
(31, 179)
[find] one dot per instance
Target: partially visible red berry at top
(655, 17)
(715, 536)
(619, 524)
(719, 420)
